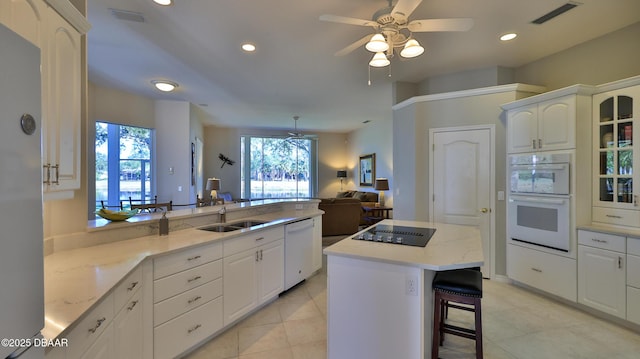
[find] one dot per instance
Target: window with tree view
(123, 164)
(278, 167)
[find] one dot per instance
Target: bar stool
(462, 286)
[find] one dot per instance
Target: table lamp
(213, 185)
(382, 184)
(342, 174)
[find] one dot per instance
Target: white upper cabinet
(59, 40)
(62, 84)
(545, 126)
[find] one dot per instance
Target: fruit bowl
(117, 216)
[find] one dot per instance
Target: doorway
(462, 182)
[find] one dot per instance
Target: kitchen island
(379, 297)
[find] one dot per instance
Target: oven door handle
(559, 201)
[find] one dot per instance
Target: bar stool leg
(478, 319)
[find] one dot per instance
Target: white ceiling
(196, 43)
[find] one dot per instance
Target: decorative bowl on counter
(117, 215)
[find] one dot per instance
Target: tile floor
(516, 324)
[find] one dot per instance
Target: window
(278, 167)
(123, 164)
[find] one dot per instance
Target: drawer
(633, 246)
(182, 303)
(90, 327)
(633, 305)
(127, 288)
(251, 240)
(189, 258)
(548, 272)
(181, 282)
(622, 217)
(609, 242)
(633, 271)
(183, 332)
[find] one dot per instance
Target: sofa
(344, 214)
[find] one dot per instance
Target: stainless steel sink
(220, 228)
(247, 224)
(234, 226)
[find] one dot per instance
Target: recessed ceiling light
(163, 2)
(509, 36)
(249, 47)
(165, 86)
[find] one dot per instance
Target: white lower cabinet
(128, 329)
(103, 347)
(251, 278)
(545, 271)
(298, 249)
(602, 272)
(317, 244)
(633, 280)
(89, 329)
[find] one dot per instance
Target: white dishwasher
(298, 249)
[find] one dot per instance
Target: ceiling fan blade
(348, 20)
(404, 8)
(462, 24)
(353, 46)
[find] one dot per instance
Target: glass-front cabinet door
(615, 157)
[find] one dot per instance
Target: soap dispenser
(164, 224)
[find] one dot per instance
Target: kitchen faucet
(222, 214)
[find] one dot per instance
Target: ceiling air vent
(555, 12)
(127, 15)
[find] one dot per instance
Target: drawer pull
(193, 300)
(194, 328)
(261, 254)
(194, 279)
(620, 262)
(614, 216)
(194, 258)
(98, 324)
(259, 239)
(133, 285)
(599, 240)
(536, 270)
(257, 257)
(133, 305)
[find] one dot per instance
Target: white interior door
(461, 171)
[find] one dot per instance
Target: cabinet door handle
(536, 270)
(194, 279)
(133, 304)
(619, 262)
(259, 239)
(257, 256)
(599, 240)
(57, 168)
(47, 176)
(193, 300)
(133, 285)
(194, 258)
(194, 329)
(261, 254)
(613, 216)
(98, 324)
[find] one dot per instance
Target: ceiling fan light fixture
(164, 86)
(163, 2)
(412, 49)
(509, 36)
(248, 47)
(379, 60)
(377, 44)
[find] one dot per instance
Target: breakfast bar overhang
(379, 296)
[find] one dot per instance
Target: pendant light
(377, 44)
(412, 49)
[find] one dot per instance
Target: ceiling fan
(392, 22)
(295, 135)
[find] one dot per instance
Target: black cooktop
(411, 236)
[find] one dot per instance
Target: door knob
(484, 210)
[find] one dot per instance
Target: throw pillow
(345, 194)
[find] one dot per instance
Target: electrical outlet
(411, 285)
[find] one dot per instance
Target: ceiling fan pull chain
(369, 70)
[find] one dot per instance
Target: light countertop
(451, 247)
(76, 280)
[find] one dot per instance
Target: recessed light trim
(248, 47)
(164, 86)
(163, 2)
(509, 36)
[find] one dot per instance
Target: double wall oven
(540, 200)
